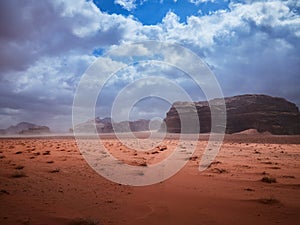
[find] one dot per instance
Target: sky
(46, 47)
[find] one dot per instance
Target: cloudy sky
(46, 46)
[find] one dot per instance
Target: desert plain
(255, 179)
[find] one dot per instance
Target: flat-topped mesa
(261, 112)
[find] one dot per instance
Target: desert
(253, 180)
(139, 112)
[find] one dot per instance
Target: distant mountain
(107, 126)
(261, 112)
(25, 128)
(94, 125)
(132, 126)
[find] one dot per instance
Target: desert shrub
(84, 221)
(18, 174)
(2, 191)
(269, 201)
(143, 164)
(19, 167)
(46, 152)
(268, 180)
(54, 170)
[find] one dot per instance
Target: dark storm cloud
(45, 46)
(32, 29)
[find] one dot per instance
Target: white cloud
(253, 42)
(197, 2)
(46, 46)
(126, 4)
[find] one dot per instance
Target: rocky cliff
(261, 112)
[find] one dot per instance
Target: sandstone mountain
(106, 125)
(261, 112)
(25, 128)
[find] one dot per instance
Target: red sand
(56, 185)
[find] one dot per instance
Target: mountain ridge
(25, 128)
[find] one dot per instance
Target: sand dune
(255, 179)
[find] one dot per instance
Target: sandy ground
(45, 180)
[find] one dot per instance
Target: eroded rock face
(261, 112)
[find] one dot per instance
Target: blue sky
(152, 12)
(45, 47)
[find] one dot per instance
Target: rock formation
(25, 128)
(261, 112)
(36, 130)
(107, 126)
